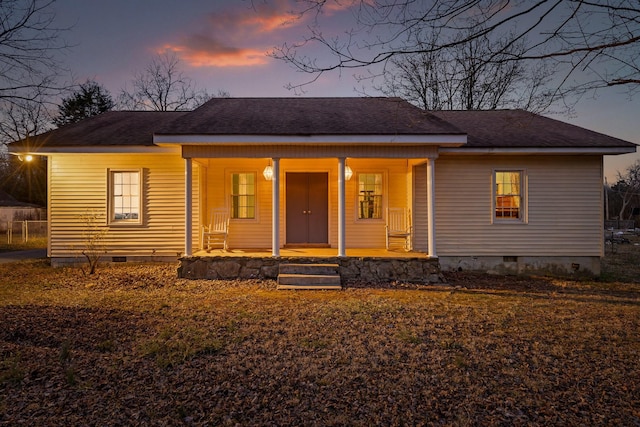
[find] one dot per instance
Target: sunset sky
(223, 46)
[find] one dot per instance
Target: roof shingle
(323, 116)
(522, 129)
(112, 128)
(308, 116)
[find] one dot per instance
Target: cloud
(203, 51)
(237, 37)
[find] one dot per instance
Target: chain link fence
(22, 231)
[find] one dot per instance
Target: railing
(26, 229)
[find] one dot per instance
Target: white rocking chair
(399, 227)
(215, 234)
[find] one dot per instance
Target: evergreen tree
(90, 100)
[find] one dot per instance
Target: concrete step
(309, 276)
(309, 281)
(322, 269)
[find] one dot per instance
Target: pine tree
(90, 100)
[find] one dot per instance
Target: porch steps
(309, 276)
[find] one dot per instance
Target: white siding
(78, 185)
(563, 207)
(257, 233)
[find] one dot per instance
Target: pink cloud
(240, 36)
(200, 51)
(236, 37)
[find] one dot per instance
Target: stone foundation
(352, 269)
(558, 266)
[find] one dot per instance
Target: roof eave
(538, 150)
(93, 149)
(449, 140)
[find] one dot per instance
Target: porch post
(275, 209)
(431, 216)
(341, 208)
(188, 206)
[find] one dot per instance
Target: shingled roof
(309, 116)
(324, 116)
(522, 129)
(112, 128)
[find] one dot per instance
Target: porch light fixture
(268, 172)
(25, 158)
(348, 173)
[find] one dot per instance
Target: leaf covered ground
(135, 346)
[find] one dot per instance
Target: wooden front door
(307, 208)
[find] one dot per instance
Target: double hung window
(125, 196)
(243, 195)
(508, 195)
(370, 196)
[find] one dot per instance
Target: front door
(307, 208)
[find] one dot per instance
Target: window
(370, 196)
(243, 195)
(125, 197)
(508, 195)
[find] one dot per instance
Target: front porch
(359, 265)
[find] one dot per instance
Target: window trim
(111, 201)
(384, 196)
(229, 194)
(524, 211)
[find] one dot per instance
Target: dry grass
(19, 245)
(622, 260)
(136, 346)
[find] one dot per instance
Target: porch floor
(311, 253)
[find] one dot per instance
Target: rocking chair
(399, 227)
(216, 233)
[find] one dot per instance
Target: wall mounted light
(268, 172)
(25, 158)
(348, 173)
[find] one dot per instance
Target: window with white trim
(508, 195)
(369, 196)
(243, 195)
(125, 196)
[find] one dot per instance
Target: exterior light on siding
(268, 172)
(348, 173)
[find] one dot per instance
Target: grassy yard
(133, 345)
(19, 245)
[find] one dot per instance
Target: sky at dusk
(223, 44)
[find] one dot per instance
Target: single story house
(504, 190)
(13, 212)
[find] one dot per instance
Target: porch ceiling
(310, 151)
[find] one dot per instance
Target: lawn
(133, 345)
(19, 245)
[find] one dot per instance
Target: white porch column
(188, 206)
(341, 208)
(275, 209)
(431, 197)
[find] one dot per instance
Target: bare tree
(596, 42)
(462, 77)
(22, 119)
(29, 41)
(162, 86)
(24, 178)
(627, 189)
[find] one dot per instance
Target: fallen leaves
(134, 345)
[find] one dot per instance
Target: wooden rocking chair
(399, 227)
(215, 234)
